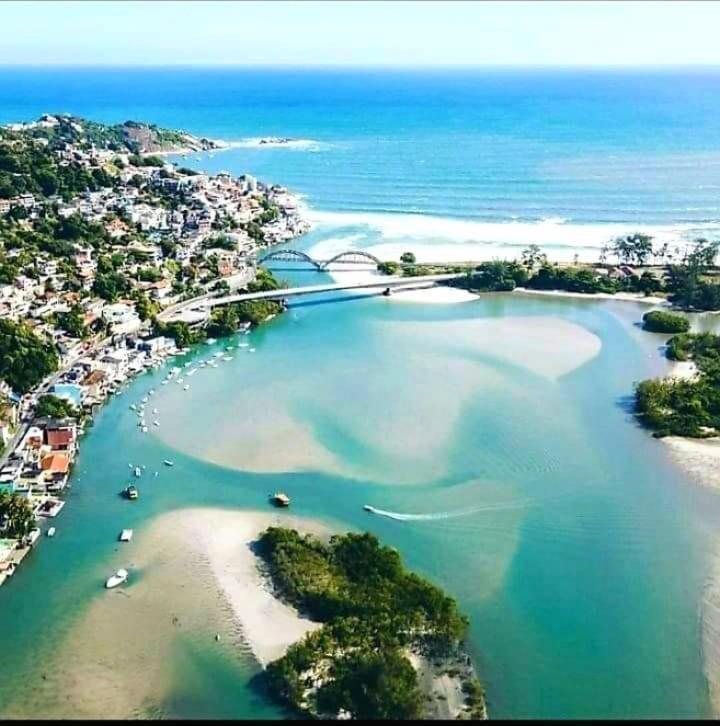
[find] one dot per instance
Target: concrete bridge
(195, 310)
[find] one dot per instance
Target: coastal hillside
(130, 136)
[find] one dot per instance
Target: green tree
(16, 513)
(55, 407)
(633, 248)
(532, 257)
(25, 358)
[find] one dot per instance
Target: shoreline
(637, 297)
(225, 540)
(699, 458)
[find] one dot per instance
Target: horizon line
(367, 66)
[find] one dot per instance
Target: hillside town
(98, 235)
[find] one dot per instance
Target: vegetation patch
(373, 611)
(658, 321)
(680, 407)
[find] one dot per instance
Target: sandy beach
(193, 576)
(699, 457)
(636, 297)
(225, 538)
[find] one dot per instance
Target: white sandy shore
(623, 296)
(685, 369)
(225, 538)
(699, 457)
(192, 576)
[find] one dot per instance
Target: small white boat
(156, 423)
(186, 387)
(51, 532)
(252, 350)
(192, 372)
(144, 429)
(164, 383)
(117, 579)
(243, 345)
(210, 341)
(126, 535)
(155, 410)
(138, 471)
(227, 357)
(203, 364)
(145, 399)
(132, 407)
(167, 462)
(180, 380)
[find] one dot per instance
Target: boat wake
(430, 516)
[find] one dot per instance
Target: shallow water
(496, 433)
(573, 543)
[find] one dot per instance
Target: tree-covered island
(685, 406)
(387, 633)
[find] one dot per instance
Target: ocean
(494, 436)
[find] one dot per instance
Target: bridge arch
(287, 255)
(351, 256)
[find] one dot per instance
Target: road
(206, 303)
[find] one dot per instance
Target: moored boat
(117, 579)
(280, 499)
(167, 462)
(126, 535)
(131, 492)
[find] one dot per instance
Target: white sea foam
(278, 143)
(441, 238)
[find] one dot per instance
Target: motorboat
(280, 499)
(126, 535)
(131, 492)
(51, 532)
(117, 579)
(167, 462)
(138, 471)
(368, 508)
(186, 388)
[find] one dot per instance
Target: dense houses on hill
(96, 237)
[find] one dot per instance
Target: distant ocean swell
(432, 237)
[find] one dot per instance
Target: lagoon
(494, 436)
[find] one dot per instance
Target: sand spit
(699, 457)
(226, 539)
(193, 575)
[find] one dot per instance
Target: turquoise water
(498, 430)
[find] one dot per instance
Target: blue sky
(360, 33)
